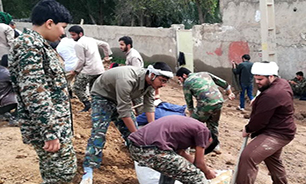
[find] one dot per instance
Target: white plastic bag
(147, 175)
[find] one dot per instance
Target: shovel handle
(234, 177)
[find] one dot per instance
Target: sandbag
(163, 109)
(146, 175)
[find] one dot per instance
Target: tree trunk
(141, 18)
(92, 19)
(101, 15)
(132, 20)
(200, 12)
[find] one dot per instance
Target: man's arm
(150, 116)
(187, 156)
(80, 53)
(234, 67)
(148, 105)
(301, 85)
(188, 98)
(134, 61)
(129, 123)
(199, 162)
(124, 103)
(222, 83)
(265, 107)
(9, 33)
(106, 48)
(237, 68)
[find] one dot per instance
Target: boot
(70, 94)
(87, 106)
(13, 122)
(11, 119)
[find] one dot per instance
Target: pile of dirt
(19, 163)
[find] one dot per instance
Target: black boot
(87, 106)
(11, 119)
(70, 94)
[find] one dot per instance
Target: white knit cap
(262, 68)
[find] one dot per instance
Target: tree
(150, 13)
(207, 11)
(19, 8)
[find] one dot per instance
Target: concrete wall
(154, 44)
(218, 44)
(242, 17)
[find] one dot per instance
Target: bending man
(204, 87)
(112, 96)
(161, 146)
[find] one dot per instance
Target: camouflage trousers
(70, 80)
(59, 167)
(103, 112)
(209, 115)
(167, 163)
(297, 90)
(80, 84)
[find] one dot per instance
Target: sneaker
(86, 181)
(240, 109)
(217, 150)
(87, 177)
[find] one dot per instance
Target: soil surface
(19, 163)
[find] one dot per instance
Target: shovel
(234, 177)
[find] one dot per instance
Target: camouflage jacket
(299, 87)
(41, 87)
(204, 87)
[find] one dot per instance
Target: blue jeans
(249, 90)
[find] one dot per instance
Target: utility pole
(1, 6)
(267, 26)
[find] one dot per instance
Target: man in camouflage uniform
(165, 151)
(41, 87)
(298, 84)
(204, 87)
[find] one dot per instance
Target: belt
(142, 146)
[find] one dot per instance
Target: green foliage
(19, 8)
(122, 61)
(150, 13)
(118, 60)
